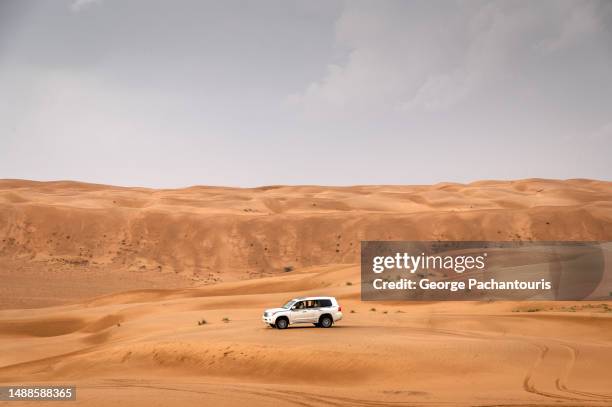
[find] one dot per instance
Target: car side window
(299, 305)
(325, 303)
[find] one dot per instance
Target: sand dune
(116, 280)
(127, 238)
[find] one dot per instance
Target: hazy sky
(245, 93)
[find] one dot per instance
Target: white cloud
(579, 20)
(604, 132)
(79, 5)
(409, 56)
(439, 92)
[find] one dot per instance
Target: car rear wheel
(326, 322)
(282, 323)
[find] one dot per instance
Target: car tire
(272, 325)
(326, 322)
(282, 323)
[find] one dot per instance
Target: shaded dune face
(243, 232)
(41, 328)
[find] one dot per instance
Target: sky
(247, 93)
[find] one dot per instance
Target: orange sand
(115, 280)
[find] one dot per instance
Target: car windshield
(289, 304)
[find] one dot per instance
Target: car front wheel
(282, 323)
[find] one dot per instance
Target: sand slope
(146, 347)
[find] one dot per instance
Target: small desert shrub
(349, 283)
(118, 325)
(399, 311)
(527, 310)
(202, 322)
(288, 269)
(226, 320)
(352, 311)
(373, 309)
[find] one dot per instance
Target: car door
(313, 311)
(299, 312)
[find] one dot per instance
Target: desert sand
(103, 287)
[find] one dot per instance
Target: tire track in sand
(530, 386)
(561, 382)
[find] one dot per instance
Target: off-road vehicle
(319, 311)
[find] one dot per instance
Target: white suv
(319, 311)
